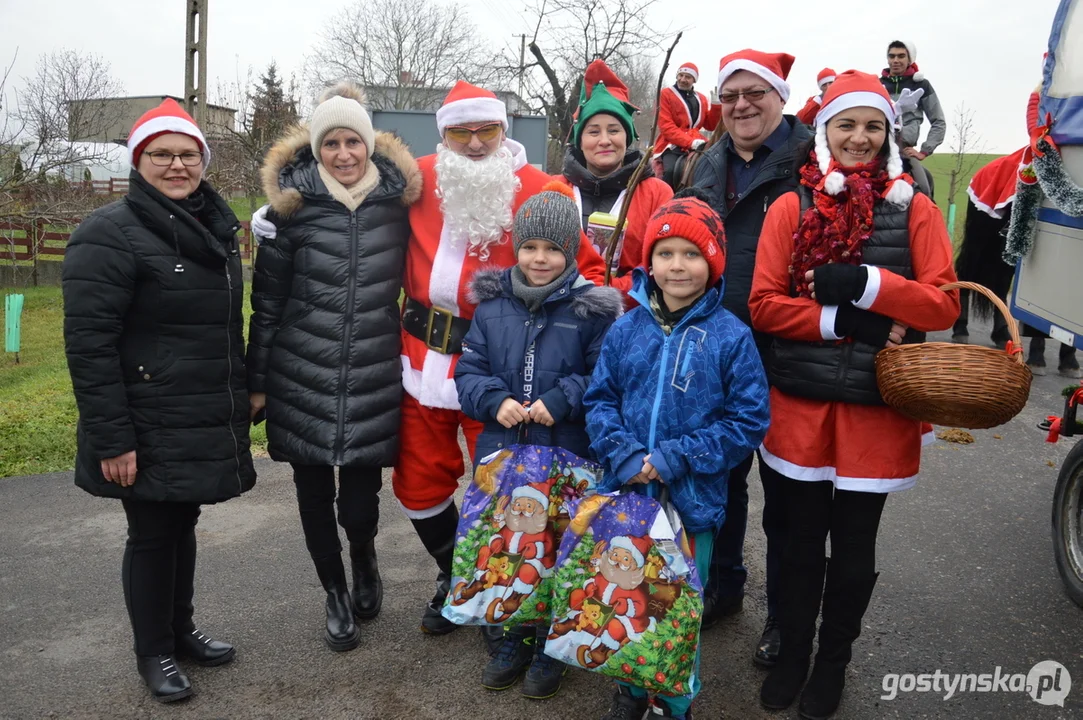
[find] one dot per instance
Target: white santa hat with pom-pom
(857, 89)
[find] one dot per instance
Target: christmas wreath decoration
(1054, 183)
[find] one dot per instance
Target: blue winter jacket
(695, 400)
(566, 335)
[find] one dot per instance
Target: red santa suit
(676, 126)
(538, 553)
(438, 272)
(630, 619)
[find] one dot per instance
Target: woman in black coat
(324, 339)
(153, 336)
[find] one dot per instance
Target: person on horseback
(683, 113)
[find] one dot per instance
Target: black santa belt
(438, 328)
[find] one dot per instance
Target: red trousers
(430, 458)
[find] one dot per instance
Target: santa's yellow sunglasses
(462, 135)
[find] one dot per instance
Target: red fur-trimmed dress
(858, 447)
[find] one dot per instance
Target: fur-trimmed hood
(293, 150)
(588, 300)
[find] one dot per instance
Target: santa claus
(525, 532)
(472, 188)
(618, 585)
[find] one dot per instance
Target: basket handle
(1013, 326)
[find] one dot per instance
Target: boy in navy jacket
(526, 363)
(679, 395)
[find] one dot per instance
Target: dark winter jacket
(694, 399)
(745, 221)
(154, 339)
(560, 343)
(324, 340)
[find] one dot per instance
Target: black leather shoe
(203, 650)
(368, 588)
(166, 681)
(767, 651)
(342, 633)
(716, 608)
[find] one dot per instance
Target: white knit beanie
(340, 112)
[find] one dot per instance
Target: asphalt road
(967, 585)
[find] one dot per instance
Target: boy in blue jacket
(679, 395)
(526, 363)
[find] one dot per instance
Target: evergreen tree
(273, 109)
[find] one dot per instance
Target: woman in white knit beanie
(324, 342)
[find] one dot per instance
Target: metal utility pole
(195, 60)
(522, 63)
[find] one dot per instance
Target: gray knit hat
(550, 215)
(341, 107)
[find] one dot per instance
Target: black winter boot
(368, 588)
(342, 633)
(626, 706)
(799, 604)
(166, 681)
(438, 536)
(845, 601)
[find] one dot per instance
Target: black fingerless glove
(837, 283)
(862, 325)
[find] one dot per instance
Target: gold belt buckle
(448, 316)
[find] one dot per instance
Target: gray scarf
(533, 297)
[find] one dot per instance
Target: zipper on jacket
(229, 381)
(347, 334)
(658, 391)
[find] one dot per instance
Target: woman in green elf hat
(599, 162)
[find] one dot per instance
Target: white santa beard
(476, 197)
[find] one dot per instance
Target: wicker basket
(957, 385)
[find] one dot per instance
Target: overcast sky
(984, 53)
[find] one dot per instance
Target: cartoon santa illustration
(617, 595)
(525, 535)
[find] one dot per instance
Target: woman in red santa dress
(847, 265)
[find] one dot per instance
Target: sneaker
(492, 636)
(543, 677)
(660, 709)
(626, 706)
(508, 662)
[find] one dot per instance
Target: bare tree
(400, 50)
(568, 35)
(967, 147)
(55, 107)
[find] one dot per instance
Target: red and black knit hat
(691, 218)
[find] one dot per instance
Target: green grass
(940, 165)
(242, 209)
(37, 408)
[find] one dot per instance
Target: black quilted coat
(153, 334)
(324, 340)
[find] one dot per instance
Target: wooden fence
(46, 240)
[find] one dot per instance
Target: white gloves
(908, 101)
(261, 226)
(714, 96)
(698, 144)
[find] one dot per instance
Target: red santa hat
(638, 546)
(689, 68)
(827, 75)
(599, 72)
(538, 492)
(993, 187)
(468, 103)
(772, 67)
(169, 117)
(857, 89)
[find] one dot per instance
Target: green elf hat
(603, 92)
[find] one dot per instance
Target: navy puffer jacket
(566, 337)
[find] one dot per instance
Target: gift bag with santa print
(627, 601)
(509, 530)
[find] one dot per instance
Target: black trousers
(159, 572)
(815, 510)
(358, 506)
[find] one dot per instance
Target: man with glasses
(743, 173)
(902, 74)
(472, 188)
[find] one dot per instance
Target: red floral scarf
(835, 227)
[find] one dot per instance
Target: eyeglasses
(729, 98)
(463, 135)
(161, 158)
